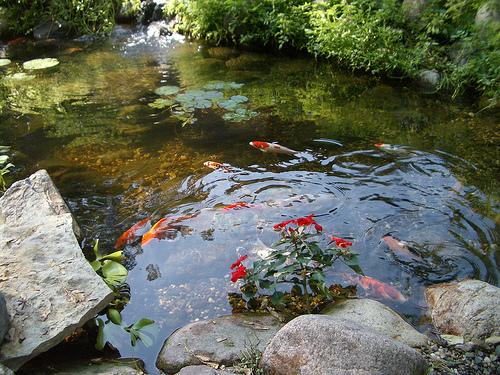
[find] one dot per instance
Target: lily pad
(239, 99)
(40, 63)
(167, 90)
(198, 99)
(229, 105)
(19, 77)
(240, 114)
(221, 85)
(161, 103)
(4, 62)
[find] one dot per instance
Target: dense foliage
(80, 16)
(383, 37)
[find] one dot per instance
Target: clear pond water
(118, 159)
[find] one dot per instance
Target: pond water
(118, 159)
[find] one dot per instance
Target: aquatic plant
(184, 104)
(37, 64)
(114, 275)
(4, 166)
(297, 260)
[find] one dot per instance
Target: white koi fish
(272, 147)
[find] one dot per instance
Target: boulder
(469, 308)
(319, 344)
(429, 79)
(220, 340)
(203, 370)
(379, 317)
(412, 9)
(122, 366)
(4, 318)
(487, 13)
(49, 286)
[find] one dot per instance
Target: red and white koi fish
(272, 147)
(135, 231)
(215, 165)
(237, 206)
(376, 288)
(400, 247)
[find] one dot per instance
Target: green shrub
(80, 16)
(370, 35)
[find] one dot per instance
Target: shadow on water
(117, 160)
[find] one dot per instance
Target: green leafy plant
(297, 260)
(4, 166)
(115, 274)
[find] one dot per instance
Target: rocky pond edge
(359, 336)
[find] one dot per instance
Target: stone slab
(49, 286)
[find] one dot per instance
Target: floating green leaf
(3, 159)
(239, 99)
(229, 105)
(114, 273)
(161, 103)
(167, 90)
(40, 63)
(239, 114)
(100, 342)
(19, 77)
(221, 85)
(4, 62)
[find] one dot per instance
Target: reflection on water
(118, 160)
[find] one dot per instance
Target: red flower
(239, 273)
(340, 242)
(238, 262)
(301, 222)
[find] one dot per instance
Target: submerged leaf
(161, 103)
(167, 90)
(4, 62)
(40, 63)
(19, 77)
(100, 342)
(221, 85)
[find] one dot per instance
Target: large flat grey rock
(49, 286)
(220, 340)
(322, 345)
(469, 308)
(122, 366)
(203, 370)
(379, 317)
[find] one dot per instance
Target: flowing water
(116, 160)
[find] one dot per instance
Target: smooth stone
(202, 370)
(429, 79)
(379, 317)
(220, 340)
(5, 370)
(122, 366)
(452, 339)
(4, 318)
(412, 9)
(488, 12)
(470, 308)
(49, 286)
(319, 344)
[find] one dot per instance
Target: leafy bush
(81, 16)
(369, 35)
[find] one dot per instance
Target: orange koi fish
(15, 42)
(377, 288)
(237, 206)
(157, 231)
(133, 232)
(164, 227)
(272, 147)
(400, 247)
(215, 165)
